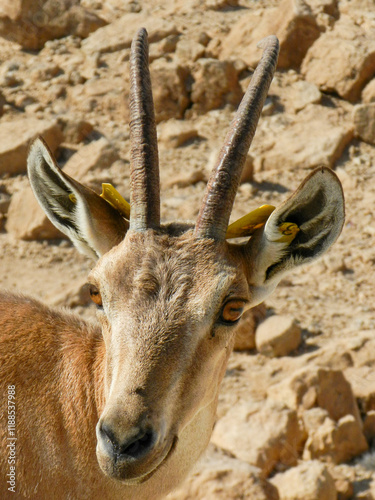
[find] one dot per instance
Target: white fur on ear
(317, 208)
(89, 221)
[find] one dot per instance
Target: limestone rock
(174, 133)
(336, 442)
(169, 89)
(32, 23)
(219, 477)
(245, 331)
(369, 425)
(26, 220)
(368, 93)
(76, 130)
(16, 137)
(265, 438)
(248, 170)
(2, 102)
(220, 4)
(44, 71)
(315, 137)
(364, 122)
(299, 389)
(98, 154)
(341, 60)
(363, 383)
(4, 202)
(304, 93)
(328, 7)
(277, 336)
(163, 47)
(334, 394)
(185, 180)
(215, 84)
(104, 95)
(312, 387)
(309, 480)
(292, 22)
(119, 34)
(343, 482)
(189, 50)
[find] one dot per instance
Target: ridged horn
(144, 165)
(213, 217)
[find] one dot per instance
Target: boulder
(107, 95)
(335, 394)
(219, 477)
(174, 133)
(119, 34)
(185, 180)
(169, 89)
(76, 130)
(220, 4)
(309, 480)
(215, 85)
(248, 170)
(292, 22)
(341, 60)
(317, 136)
(4, 201)
(362, 381)
(277, 336)
(16, 137)
(304, 93)
(98, 154)
(369, 425)
(364, 122)
(268, 437)
(336, 442)
(368, 93)
(31, 23)
(27, 221)
(318, 387)
(245, 331)
(188, 50)
(343, 482)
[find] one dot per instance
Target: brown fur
(57, 364)
(158, 361)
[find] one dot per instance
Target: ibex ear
(298, 231)
(89, 221)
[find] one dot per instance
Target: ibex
(124, 411)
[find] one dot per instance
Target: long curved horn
(213, 217)
(144, 169)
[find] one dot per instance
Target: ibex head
(169, 296)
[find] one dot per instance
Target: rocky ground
(296, 418)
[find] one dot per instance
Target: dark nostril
(140, 445)
(134, 448)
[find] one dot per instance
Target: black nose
(132, 448)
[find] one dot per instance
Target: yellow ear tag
(246, 225)
(114, 198)
(289, 231)
(72, 198)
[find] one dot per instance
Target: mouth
(145, 477)
(122, 473)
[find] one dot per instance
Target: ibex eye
(95, 295)
(232, 311)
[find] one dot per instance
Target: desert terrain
(296, 417)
